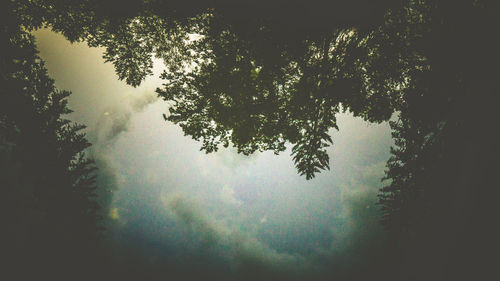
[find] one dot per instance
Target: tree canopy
(238, 74)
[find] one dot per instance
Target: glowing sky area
(225, 211)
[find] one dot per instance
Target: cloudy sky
(225, 214)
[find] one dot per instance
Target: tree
(253, 83)
(49, 210)
(436, 203)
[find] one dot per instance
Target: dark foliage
(49, 213)
(257, 78)
(436, 204)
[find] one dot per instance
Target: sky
(176, 209)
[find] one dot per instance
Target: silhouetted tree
(436, 204)
(49, 214)
(247, 80)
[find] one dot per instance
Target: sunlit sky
(224, 209)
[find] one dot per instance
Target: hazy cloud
(116, 118)
(227, 195)
(242, 249)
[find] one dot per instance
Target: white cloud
(227, 196)
(263, 219)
